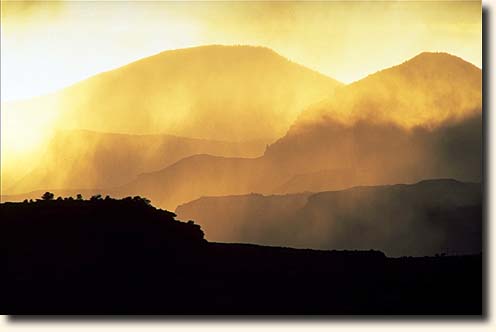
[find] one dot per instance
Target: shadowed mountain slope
(425, 218)
(369, 152)
(423, 109)
(365, 154)
(355, 138)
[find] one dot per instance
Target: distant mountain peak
(435, 56)
(424, 91)
(438, 59)
(426, 64)
(218, 48)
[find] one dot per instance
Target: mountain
(426, 218)
(353, 138)
(419, 112)
(326, 150)
(81, 159)
(323, 180)
(228, 93)
(200, 175)
(368, 152)
(425, 91)
(222, 93)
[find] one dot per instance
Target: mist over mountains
(240, 120)
(347, 151)
(80, 159)
(426, 218)
(243, 158)
(224, 93)
(227, 93)
(426, 91)
(420, 111)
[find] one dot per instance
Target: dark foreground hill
(124, 256)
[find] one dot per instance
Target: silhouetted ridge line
(427, 182)
(108, 217)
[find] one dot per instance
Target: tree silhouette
(79, 197)
(48, 196)
(143, 199)
(96, 197)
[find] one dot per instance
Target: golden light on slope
(53, 44)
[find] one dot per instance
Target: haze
(279, 108)
(49, 45)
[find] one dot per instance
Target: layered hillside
(368, 152)
(87, 160)
(357, 137)
(332, 146)
(425, 111)
(223, 93)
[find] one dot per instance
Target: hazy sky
(48, 45)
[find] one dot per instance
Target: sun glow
(53, 44)
(49, 45)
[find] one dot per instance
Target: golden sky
(49, 45)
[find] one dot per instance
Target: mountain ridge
(429, 216)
